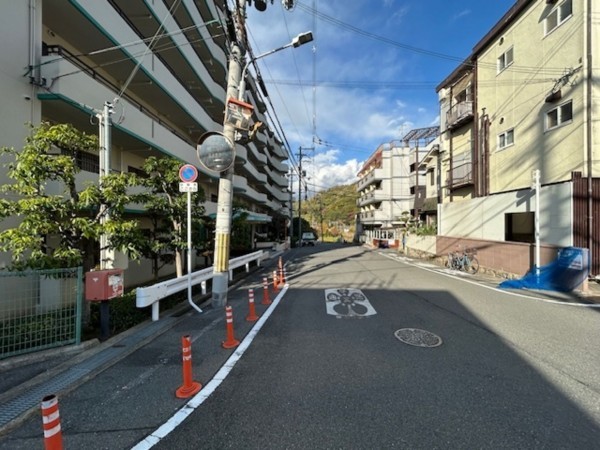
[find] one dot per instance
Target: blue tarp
(564, 274)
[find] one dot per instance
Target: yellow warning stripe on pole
(222, 253)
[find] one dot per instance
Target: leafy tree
(166, 210)
(58, 223)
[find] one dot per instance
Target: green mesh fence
(39, 309)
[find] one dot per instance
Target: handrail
(151, 295)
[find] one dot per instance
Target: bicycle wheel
(449, 261)
(473, 265)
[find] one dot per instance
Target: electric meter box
(103, 285)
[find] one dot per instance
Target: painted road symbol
(348, 303)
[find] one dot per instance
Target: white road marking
(348, 303)
(175, 420)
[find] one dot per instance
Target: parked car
(308, 238)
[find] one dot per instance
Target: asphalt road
(510, 373)
(328, 370)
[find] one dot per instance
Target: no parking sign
(188, 174)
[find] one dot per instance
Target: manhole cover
(418, 338)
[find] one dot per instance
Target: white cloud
(325, 170)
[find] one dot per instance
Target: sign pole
(188, 175)
(537, 187)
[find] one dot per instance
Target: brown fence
(506, 257)
(581, 218)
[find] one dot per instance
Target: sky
(368, 77)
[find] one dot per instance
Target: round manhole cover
(417, 337)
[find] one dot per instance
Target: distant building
(393, 185)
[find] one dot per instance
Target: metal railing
(40, 309)
(459, 113)
(461, 175)
(152, 295)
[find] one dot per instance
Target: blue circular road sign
(188, 173)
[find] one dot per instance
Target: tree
(166, 209)
(58, 222)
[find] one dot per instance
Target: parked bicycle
(465, 261)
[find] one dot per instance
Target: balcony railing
(461, 175)
(459, 114)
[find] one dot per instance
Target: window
(519, 227)
(505, 60)
(85, 161)
(137, 171)
(559, 116)
(505, 139)
(465, 95)
(558, 15)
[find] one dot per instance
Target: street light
(236, 87)
(299, 40)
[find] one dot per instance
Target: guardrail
(152, 295)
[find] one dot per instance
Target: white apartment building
(163, 66)
(393, 185)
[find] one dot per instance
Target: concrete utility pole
(235, 90)
(104, 122)
(225, 199)
(301, 175)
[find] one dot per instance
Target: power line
(409, 85)
(414, 49)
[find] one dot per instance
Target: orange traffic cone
(51, 423)
(275, 282)
(266, 300)
(281, 272)
(231, 341)
(189, 386)
(251, 317)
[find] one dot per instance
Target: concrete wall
(483, 218)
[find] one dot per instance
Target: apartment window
(558, 15)
(84, 161)
(139, 172)
(465, 95)
(505, 60)
(506, 139)
(559, 116)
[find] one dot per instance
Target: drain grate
(417, 337)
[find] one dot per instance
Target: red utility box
(103, 284)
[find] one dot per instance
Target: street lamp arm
(299, 40)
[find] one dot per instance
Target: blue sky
(368, 77)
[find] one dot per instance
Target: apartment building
(161, 65)
(392, 185)
(524, 102)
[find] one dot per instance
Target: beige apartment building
(163, 68)
(524, 103)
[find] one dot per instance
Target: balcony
(374, 217)
(459, 114)
(375, 196)
(370, 178)
(460, 176)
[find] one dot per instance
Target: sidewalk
(589, 294)
(25, 380)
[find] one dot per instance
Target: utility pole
(235, 93)
(301, 176)
(104, 122)
(220, 279)
(291, 188)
